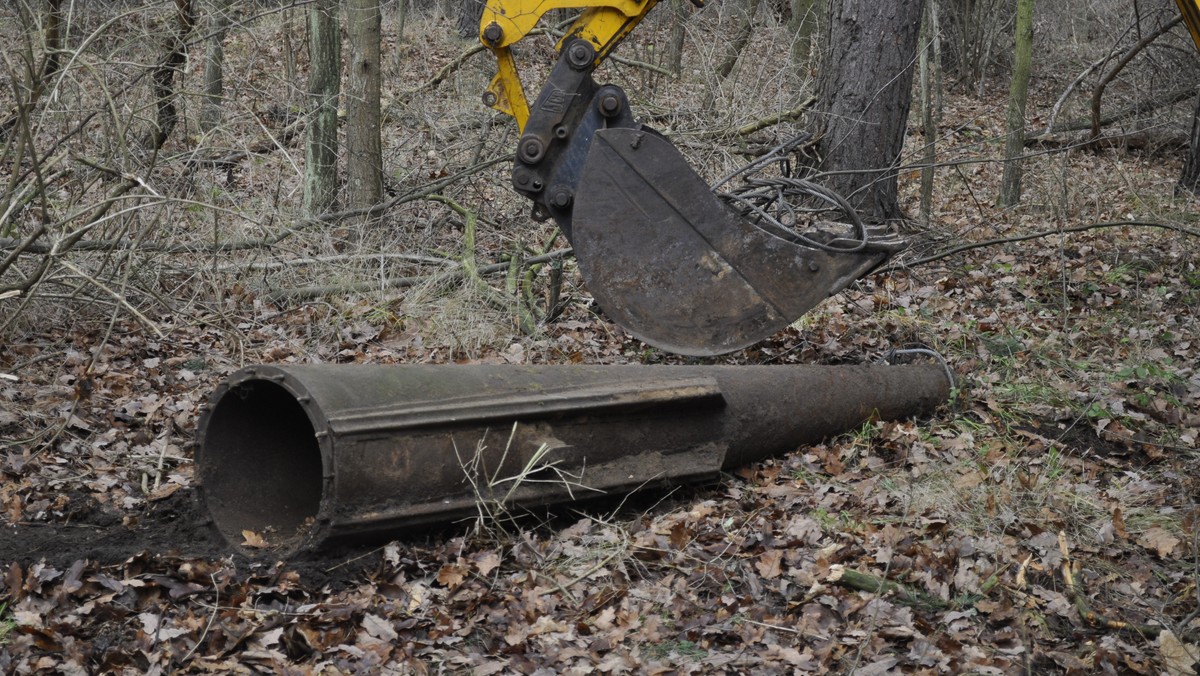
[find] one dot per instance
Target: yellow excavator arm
(603, 24)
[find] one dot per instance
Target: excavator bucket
(665, 257)
(679, 267)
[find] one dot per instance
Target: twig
(309, 292)
(331, 259)
(357, 558)
(211, 618)
(444, 72)
(641, 64)
(1085, 611)
(262, 146)
(1045, 233)
(565, 587)
(118, 297)
(458, 61)
(414, 194)
(76, 243)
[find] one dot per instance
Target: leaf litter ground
(109, 566)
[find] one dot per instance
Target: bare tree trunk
(212, 111)
(865, 92)
(1189, 180)
(936, 69)
(1018, 93)
(163, 76)
(364, 151)
(929, 126)
(679, 15)
(470, 13)
(973, 27)
(802, 26)
(733, 49)
(52, 42)
(289, 58)
(401, 19)
(321, 144)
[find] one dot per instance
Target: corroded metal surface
(675, 266)
(306, 455)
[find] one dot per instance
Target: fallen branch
(324, 260)
(453, 270)
(1146, 140)
(905, 594)
(456, 63)
(771, 120)
(1045, 233)
(262, 146)
(1085, 611)
(446, 70)
(1150, 103)
(1098, 94)
(285, 231)
(1062, 99)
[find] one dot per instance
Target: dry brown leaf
(451, 575)
(379, 628)
(680, 536)
(1180, 658)
(1118, 523)
(252, 539)
(1159, 541)
(163, 492)
(486, 562)
(769, 564)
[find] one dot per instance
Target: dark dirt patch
(90, 531)
(1081, 437)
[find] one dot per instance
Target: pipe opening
(262, 464)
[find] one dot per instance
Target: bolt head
(610, 105)
(532, 149)
(580, 54)
(493, 33)
(489, 99)
(561, 197)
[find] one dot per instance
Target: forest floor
(1045, 520)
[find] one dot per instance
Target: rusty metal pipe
(308, 455)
